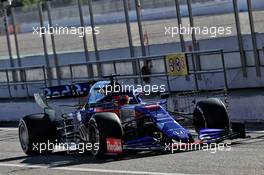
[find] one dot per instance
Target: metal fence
(12, 81)
(133, 24)
(35, 78)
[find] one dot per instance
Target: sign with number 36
(177, 64)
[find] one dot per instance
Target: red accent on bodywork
(153, 107)
(116, 111)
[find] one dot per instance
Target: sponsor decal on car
(114, 146)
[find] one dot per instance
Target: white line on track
(87, 169)
(8, 129)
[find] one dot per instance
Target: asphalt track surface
(245, 157)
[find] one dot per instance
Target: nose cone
(181, 135)
(178, 134)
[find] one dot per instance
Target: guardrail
(140, 62)
(15, 78)
(23, 82)
(26, 77)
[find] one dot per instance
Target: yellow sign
(177, 64)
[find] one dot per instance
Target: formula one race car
(111, 123)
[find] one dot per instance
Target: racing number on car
(177, 64)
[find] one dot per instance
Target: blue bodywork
(167, 125)
(162, 121)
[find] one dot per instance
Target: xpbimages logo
(118, 88)
(210, 147)
(50, 146)
(211, 31)
(60, 30)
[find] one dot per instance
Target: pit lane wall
(244, 106)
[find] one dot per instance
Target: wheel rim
(94, 137)
(23, 136)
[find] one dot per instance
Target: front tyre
(210, 113)
(103, 126)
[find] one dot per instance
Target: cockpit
(107, 91)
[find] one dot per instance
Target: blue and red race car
(111, 123)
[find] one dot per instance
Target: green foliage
(28, 3)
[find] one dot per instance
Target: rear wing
(68, 91)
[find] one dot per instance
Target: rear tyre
(103, 126)
(34, 131)
(210, 113)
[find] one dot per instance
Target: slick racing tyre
(103, 126)
(35, 132)
(210, 113)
